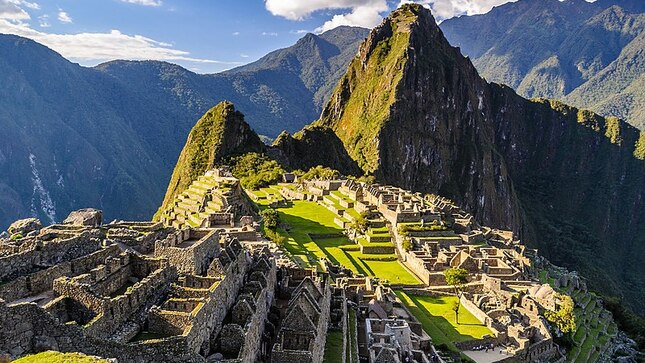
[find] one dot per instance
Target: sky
(205, 36)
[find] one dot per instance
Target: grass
(305, 218)
(353, 339)
(57, 357)
(333, 346)
(438, 319)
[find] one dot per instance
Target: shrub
(320, 172)
(407, 244)
(564, 318)
(369, 179)
(350, 248)
(16, 236)
(404, 229)
(275, 237)
(378, 258)
(271, 218)
(256, 171)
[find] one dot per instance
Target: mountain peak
(219, 133)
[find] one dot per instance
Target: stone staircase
(205, 196)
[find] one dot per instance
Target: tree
(455, 307)
(456, 277)
(563, 318)
(320, 172)
(256, 170)
(271, 218)
(361, 223)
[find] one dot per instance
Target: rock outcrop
(89, 217)
(25, 226)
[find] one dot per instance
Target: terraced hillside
(596, 328)
(312, 231)
(205, 199)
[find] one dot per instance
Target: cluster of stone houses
(203, 285)
(443, 236)
(151, 292)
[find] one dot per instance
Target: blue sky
(205, 36)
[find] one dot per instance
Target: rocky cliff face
(221, 132)
(414, 112)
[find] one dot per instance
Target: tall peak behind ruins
(413, 111)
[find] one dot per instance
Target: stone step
(193, 194)
(191, 207)
(207, 178)
(194, 221)
(204, 185)
(198, 191)
(211, 210)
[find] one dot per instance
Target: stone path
(483, 356)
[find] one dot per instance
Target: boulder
(85, 217)
(25, 226)
(44, 343)
(4, 235)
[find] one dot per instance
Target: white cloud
(92, 48)
(244, 55)
(11, 10)
(99, 47)
(365, 13)
(144, 2)
(272, 34)
(43, 21)
(63, 17)
(33, 6)
(235, 33)
(444, 9)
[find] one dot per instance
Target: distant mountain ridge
(108, 136)
(587, 54)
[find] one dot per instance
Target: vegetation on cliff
(255, 170)
(220, 133)
(371, 81)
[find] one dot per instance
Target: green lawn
(333, 347)
(304, 218)
(57, 357)
(438, 319)
(353, 339)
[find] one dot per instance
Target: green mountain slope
(221, 132)
(108, 136)
(414, 112)
(559, 49)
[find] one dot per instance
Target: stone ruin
(145, 292)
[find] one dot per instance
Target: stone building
(392, 340)
(303, 327)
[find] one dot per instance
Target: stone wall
(36, 254)
(377, 250)
(254, 327)
(112, 312)
(43, 280)
(193, 259)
